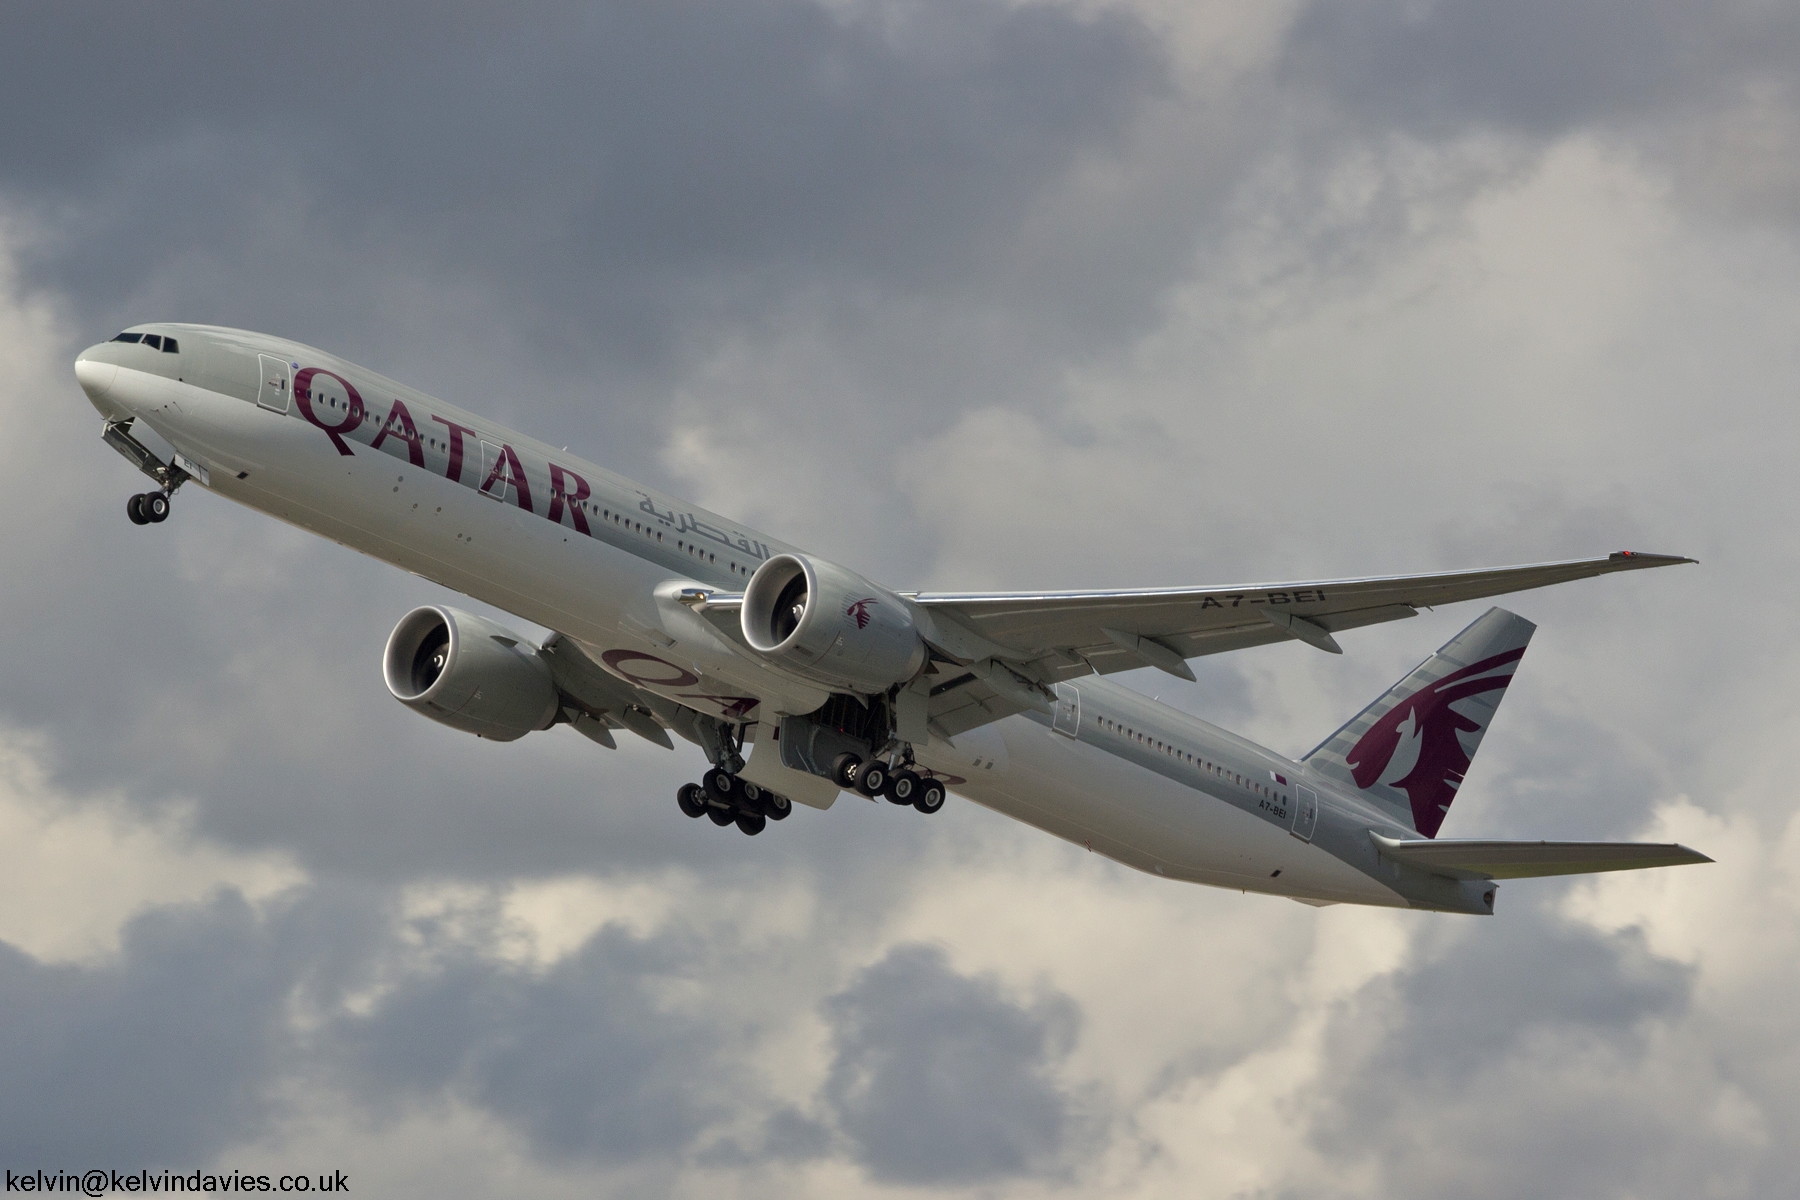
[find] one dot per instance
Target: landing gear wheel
(718, 784)
(720, 816)
(691, 799)
(750, 795)
(776, 808)
(843, 769)
(751, 822)
(134, 508)
(930, 796)
(154, 506)
(871, 777)
(902, 788)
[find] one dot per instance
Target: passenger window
(154, 341)
(171, 346)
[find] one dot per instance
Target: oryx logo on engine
(860, 611)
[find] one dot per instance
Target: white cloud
(75, 869)
(1736, 923)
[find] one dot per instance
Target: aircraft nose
(95, 377)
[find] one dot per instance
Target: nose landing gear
(146, 508)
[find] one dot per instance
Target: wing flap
(1469, 859)
(964, 702)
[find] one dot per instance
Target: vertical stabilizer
(1408, 751)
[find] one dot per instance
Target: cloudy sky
(963, 293)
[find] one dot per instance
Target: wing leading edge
(1197, 621)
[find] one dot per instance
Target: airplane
(800, 679)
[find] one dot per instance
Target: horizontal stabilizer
(1466, 859)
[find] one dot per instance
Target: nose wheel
(148, 508)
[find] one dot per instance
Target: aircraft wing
(1015, 644)
(1463, 859)
(605, 701)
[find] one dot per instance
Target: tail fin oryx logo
(860, 611)
(1426, 720)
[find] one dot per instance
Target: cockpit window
(155, 341)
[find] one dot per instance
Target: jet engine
(831, 626)
(470, 674)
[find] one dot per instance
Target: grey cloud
(159, 1058)
(1423, 1068)
(1470, 1005)
(1560, 774)
(188, 1042)
(939, 1078)
(1708, 93)
(583, 1058)
(587, 165)
(792, 1135)
(1537, 67)
(786, 1136)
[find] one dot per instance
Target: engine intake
(469, 674)
(830, 625)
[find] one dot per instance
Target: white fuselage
(566, 544)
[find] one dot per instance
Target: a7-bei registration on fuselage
(798, 678)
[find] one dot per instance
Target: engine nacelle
(470, 674)
(829, 625)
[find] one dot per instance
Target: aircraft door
(1306, 813)
(1067, 718)
(273, 393)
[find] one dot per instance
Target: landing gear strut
(146, 508)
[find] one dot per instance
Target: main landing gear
(727, 799)
(149, 508)
(872, 778)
